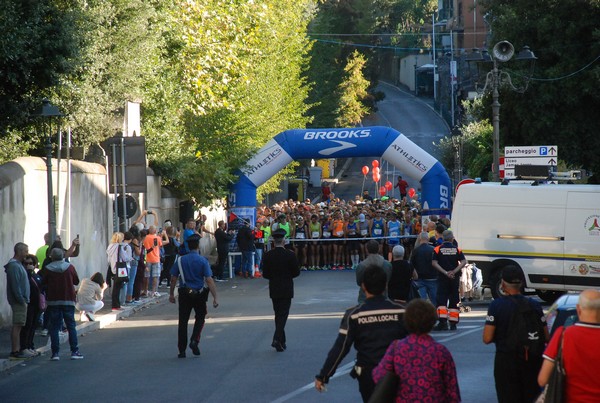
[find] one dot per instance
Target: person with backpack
(516, 324)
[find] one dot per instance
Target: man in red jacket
(60, 278)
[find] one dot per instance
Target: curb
(84, 328)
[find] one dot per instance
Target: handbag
(42, 304)
(554, 391)
(385, 391)
(122, 271)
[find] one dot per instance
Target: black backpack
(526, 334)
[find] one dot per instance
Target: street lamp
(502, 52)
(49, 111)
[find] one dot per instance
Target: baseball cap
(361, 217)
(512, 275)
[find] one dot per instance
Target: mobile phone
(77, 236)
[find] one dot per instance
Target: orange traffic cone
(257, 272)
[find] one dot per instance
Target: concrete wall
(24, 213)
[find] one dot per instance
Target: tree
(241, 67)
(352, 91)
(39, 46)
(560, 107)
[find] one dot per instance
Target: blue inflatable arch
(374, 141)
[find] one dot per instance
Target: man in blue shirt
(195, 281)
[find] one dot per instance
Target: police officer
(448, 260)
(195, 275)
(280, 267)
(371, 327)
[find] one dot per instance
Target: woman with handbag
(119, 257)
(425, 368)
(575, 349)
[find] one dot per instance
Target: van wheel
(496, 285)
(549, 296)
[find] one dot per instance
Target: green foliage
(352, 90)
(474, 144)
(562, 107)
(241, 64)
(39, 46)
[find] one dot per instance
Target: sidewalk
(104, 318)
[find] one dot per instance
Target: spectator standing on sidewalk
(280, 267)
(60, 279)
(170, 254)
(118, 251)
(152, 245)
(33, 308)
(17, 293)
(195, 282)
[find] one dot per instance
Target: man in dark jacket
(280, 267)
(223, 239)
(17, 293)
(59, 278)
(370, 327)
(421, 260)
(245, 241)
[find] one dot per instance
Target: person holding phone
(152, 244)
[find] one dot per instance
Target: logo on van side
(592, 225)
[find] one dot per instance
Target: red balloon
(388, 185)
(376, 177)
(382, 190)
(376, 170)
(375, 163)
(411, 192)
(365, 170)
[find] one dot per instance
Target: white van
(551, 232)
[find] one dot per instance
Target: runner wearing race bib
(327, 247)
(338, 245)
(378, 229)
(300, 233)
(315, 249)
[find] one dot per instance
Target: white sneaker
(44, 332)
(27, 353)
(156, 294)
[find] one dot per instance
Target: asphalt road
(136, 359)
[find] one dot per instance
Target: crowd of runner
(332, 235)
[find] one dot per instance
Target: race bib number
(394, 233)
(261, 240)
(300, 235)
(315, 234)
(339, 233)
(377, 231)
(363, 232)
(326, 234)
